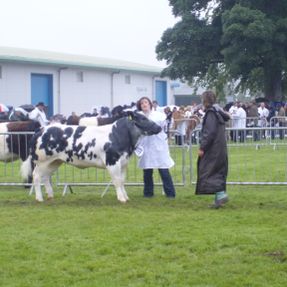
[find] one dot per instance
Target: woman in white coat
(155, 152)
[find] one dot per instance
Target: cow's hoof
(50, 198)
(122, 200)
(39, 200)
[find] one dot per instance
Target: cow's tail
(27, 169)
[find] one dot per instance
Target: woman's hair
(208, 98)
(139, 103)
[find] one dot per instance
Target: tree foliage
(217, 42)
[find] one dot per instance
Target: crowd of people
(253, 115)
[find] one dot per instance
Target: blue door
(42, 91)
(161, 92)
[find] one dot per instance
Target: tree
(217, 42)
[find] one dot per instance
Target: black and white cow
(108, 147)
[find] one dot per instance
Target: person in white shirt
(241, 116)
(263, 115)
(154, 105)
(38, 114)
(234, 121)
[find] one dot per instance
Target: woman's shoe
(220, 202)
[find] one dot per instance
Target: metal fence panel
(71, 176)
(10, 163)
(260, 158)
(254, 155)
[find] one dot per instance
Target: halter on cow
(108, 147)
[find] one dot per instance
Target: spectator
(179, 126)
(155, 153)
(281, 120)
(234, 121)
(252, 121)
(4, 111)
(168, 114)
(212, 154)
(263, 115)
(188, 111)
(105, 112)
(95, 111)
(154, 105)
(272, 120)
(241, 116)
(3, 108)
(39, 115)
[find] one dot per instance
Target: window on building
(80, 76)
(128, 79)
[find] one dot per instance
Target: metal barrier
(13, 145)
(68, 176)
(253, 158)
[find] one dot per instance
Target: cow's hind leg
(52, 167)
(42, 173)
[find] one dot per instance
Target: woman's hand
(200, 153)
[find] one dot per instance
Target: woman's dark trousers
(168, 186)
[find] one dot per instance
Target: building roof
(20, 55)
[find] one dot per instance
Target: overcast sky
(120, 29)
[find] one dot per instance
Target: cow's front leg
(37, 184)
(123, 175)
(115, 172)
(48, 186)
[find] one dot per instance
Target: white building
(77, 83)
(184, 94)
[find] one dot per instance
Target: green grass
(85, 240)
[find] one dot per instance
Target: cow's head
(146, 126)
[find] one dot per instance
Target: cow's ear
(130, 115)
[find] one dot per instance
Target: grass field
(85, 240)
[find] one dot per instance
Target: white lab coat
(39, 116)
(155, 148)
(240, 116)
(263, 114)
(234, 118)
